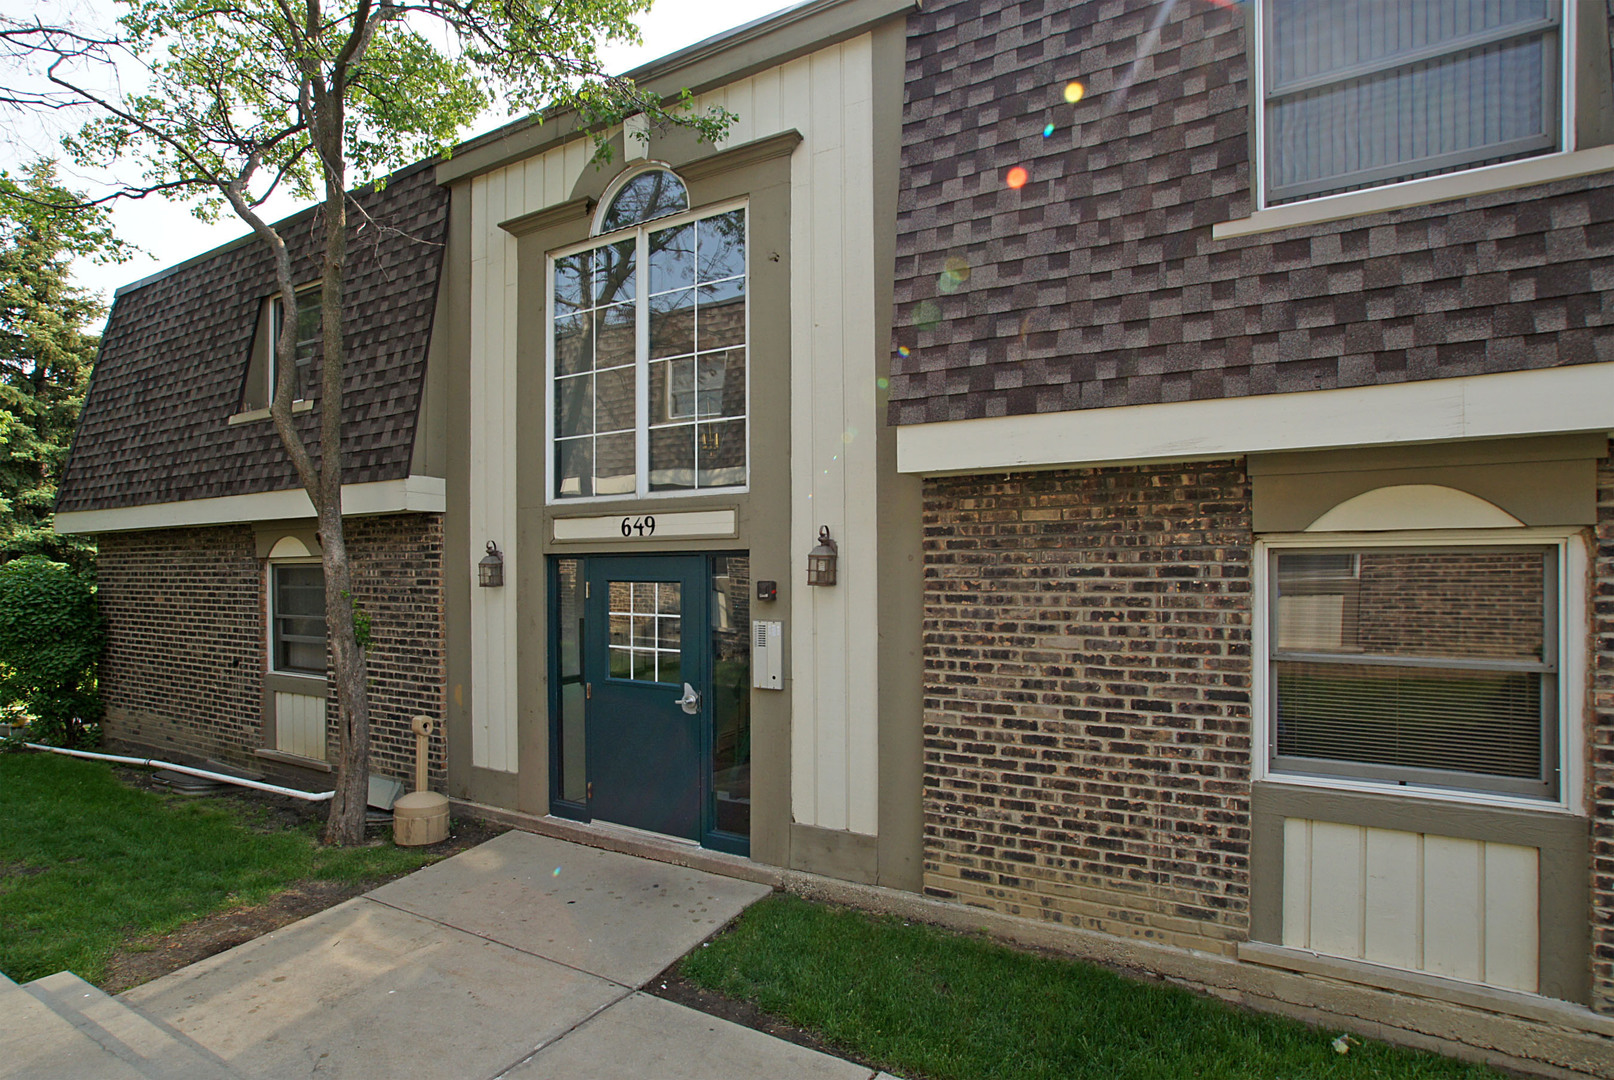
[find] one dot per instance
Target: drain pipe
(256, 785)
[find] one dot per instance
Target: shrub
(50, 643)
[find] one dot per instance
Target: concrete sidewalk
(522, 958)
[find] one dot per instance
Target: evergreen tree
(45, 354)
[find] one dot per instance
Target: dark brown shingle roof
(174, 362)
(1099, 284)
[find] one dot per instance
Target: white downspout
(256, 785)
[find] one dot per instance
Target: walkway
(521, 958)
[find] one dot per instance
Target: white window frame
(1405, 192)
(269, 642)
(627, 177)
(641, 365)
(1573, 565)
(276, 318)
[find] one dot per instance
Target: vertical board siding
(1392, 929)
(1464, 909)
(828, 98)
(480, 448)
(835, 754)
(300, 725)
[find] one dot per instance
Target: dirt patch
(151, 957)
(20, 870)
(674, 987)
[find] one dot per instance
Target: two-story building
(647, 385)
(1202, 409)
(1258, 360)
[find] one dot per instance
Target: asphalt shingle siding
(1098, 283)
(175, 352)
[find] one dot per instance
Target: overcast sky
(167, 233)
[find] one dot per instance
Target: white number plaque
(685, 525)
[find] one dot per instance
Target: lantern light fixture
(821, 560)
(490, 571)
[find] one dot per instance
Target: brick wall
(1087, 709)
(398, 580)
(184, 658)
(1602, 746)
(186, 654)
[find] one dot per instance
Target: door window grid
(646, 631)
(650, 384)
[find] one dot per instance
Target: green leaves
(45, 354)
(237, 95)
(50, 643)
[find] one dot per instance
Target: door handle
(691, 701)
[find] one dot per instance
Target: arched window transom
(654, 193)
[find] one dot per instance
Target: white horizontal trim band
(1421, 192)
(413, 494)
(1549, 401)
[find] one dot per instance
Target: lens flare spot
(903, 351)
(883, 383)
(557, 872)
(1016, 177)
(927, 316)
(1074, 91)
(848, 435)
(956, 272)
(1048, 130)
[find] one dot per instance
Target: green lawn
(924, 1002)
(87, 863)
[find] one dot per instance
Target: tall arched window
(647, 347)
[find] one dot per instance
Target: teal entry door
(647, 667)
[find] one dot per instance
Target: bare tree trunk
(346, 823)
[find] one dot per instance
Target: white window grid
(641, 301)
(644, 610)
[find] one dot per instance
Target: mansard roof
(174, 357)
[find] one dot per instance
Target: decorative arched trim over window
(1414, 506)
(290, 547)
(641, 194)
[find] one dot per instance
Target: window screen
(1434, 666)
(1366, 92)
(299, 619)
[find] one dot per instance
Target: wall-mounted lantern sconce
(821, 560)
(490, 571)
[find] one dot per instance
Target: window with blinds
(1430, 666)
(1359, 93)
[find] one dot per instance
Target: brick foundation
(1087, 709)
(186, 654)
